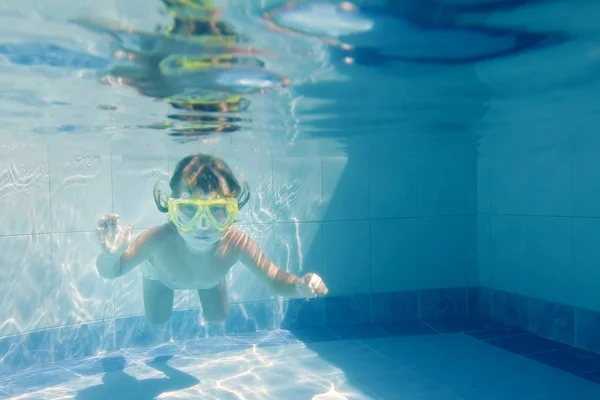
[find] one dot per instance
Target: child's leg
(158, 301)
(214, 302)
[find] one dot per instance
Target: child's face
(204, 233)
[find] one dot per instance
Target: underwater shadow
(117, 384)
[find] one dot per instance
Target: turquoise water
(434, 162)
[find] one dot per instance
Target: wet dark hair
(207, 173)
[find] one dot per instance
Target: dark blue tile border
(575, 361)
(444, 303)
(407, 328)
(21, 352)
(552, 320)
(573, 326)
(571, 360)
(465, 324)
(526, 343)
(502, 319)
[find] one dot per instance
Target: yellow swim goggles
(219, 212)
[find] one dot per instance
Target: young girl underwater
(197, 247)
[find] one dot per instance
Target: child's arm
(281, 282)
(112, 265)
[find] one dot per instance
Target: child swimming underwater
(197, 247)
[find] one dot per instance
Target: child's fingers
(109, 219)
(100, 234)
(123, 236)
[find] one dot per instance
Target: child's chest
(191, 271)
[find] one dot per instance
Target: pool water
(362, 129)
(446, 359)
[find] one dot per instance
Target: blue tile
(442, 257)
(473, 302)
(309, 335)
(443, 303)
(351, 309)
(252, 317)
(36, 379)
(495, 333)
(301, 313)
(395, 306)
(188, 324)
(588, 329)
(24, 351)
(552, 320)
(447, 325)
(511, 309)
(258, 339)
(526, 343)
(210, 345)
(570, 360)
(96, 365)
(484, 302)
(136, 331)
(406, 328)
(442, 165)
(357, 331)
(84, 340)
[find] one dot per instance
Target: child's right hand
(114, 239)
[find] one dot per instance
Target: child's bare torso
(177, 267)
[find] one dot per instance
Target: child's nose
(202, 222)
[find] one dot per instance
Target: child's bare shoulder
(234, 237)
(239, 242)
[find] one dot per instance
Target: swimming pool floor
(406, 361)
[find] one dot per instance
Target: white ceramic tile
(79, 293)
(442, 174)
(471, 232)
(483, 183)
(133, 179)
(484, 261)
(586, 274)
(585, 175)
(243, 286)
(394, 255)
(508, 253)
(298, 247)
(549, 263)
(345, 183)
(442, 252)
(471, 175)
(25, 284)
(393, 176)
(80, 184)
(24, 189)
(549, 178)
(508, 184)
(297, 188)
(346, 257)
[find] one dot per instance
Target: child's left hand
(312, 286)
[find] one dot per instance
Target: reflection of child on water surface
(197, 247)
